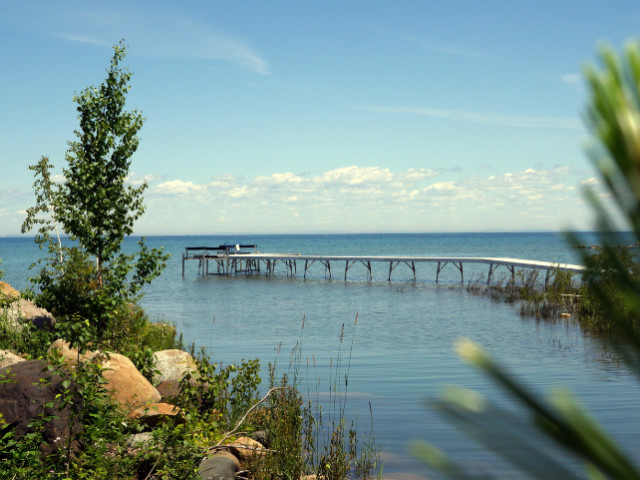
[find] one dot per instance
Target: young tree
(95, 207)
(100, 208)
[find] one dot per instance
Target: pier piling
(231, 260)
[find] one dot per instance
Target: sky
(320, 116)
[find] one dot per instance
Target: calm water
(401, 348)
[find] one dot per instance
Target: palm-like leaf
(613, 117)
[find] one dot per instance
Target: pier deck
(229, 263)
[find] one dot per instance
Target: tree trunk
(99, 268)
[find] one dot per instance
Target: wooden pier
(232, 260)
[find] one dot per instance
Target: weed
(306, 438)
(555, 295)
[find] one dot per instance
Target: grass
(329, 444)
(536, 297)
(567, 295)
(218, 405)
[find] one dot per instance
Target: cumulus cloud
(368, 198)
(591, 182)
(278, 179)
(136, 180)
(354, 175)
(179, 187)
(58, 178)
(417, 174)
(441, 186)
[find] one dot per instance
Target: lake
(400, 351)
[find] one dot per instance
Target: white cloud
(278, 179)
(58, 178)
(417, 174)
(136, 180)
(479, 117)
(179, 187)
(442, 48)
(441, 186)
(82, 39)
(355, 199)
(239, 192)
(572, 79)
(591, 182)
(182, 37)
(224, 181)
(160, 33)
(354, 175)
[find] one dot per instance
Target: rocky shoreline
(32, 388)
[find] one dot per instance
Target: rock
(71, 355)
(172, 365)
(127, 385)
(565, 315)
(139, 439)
(244, 448)
(8, 358)
(8, 293)
(169, 390)
(261, 436)
(26, 398)
(219, 466)
(22, 311)
(154, 413)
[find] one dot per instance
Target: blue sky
(320, 117)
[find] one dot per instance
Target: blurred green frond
(556, 437)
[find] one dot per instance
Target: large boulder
(71, 355)
(169, 390)
(219, 466)
(172, 365)
(24, 311)
(8, 358)
(31, 393)
(8, 293)
(126, 384)
(154, 414)
(245, 448)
